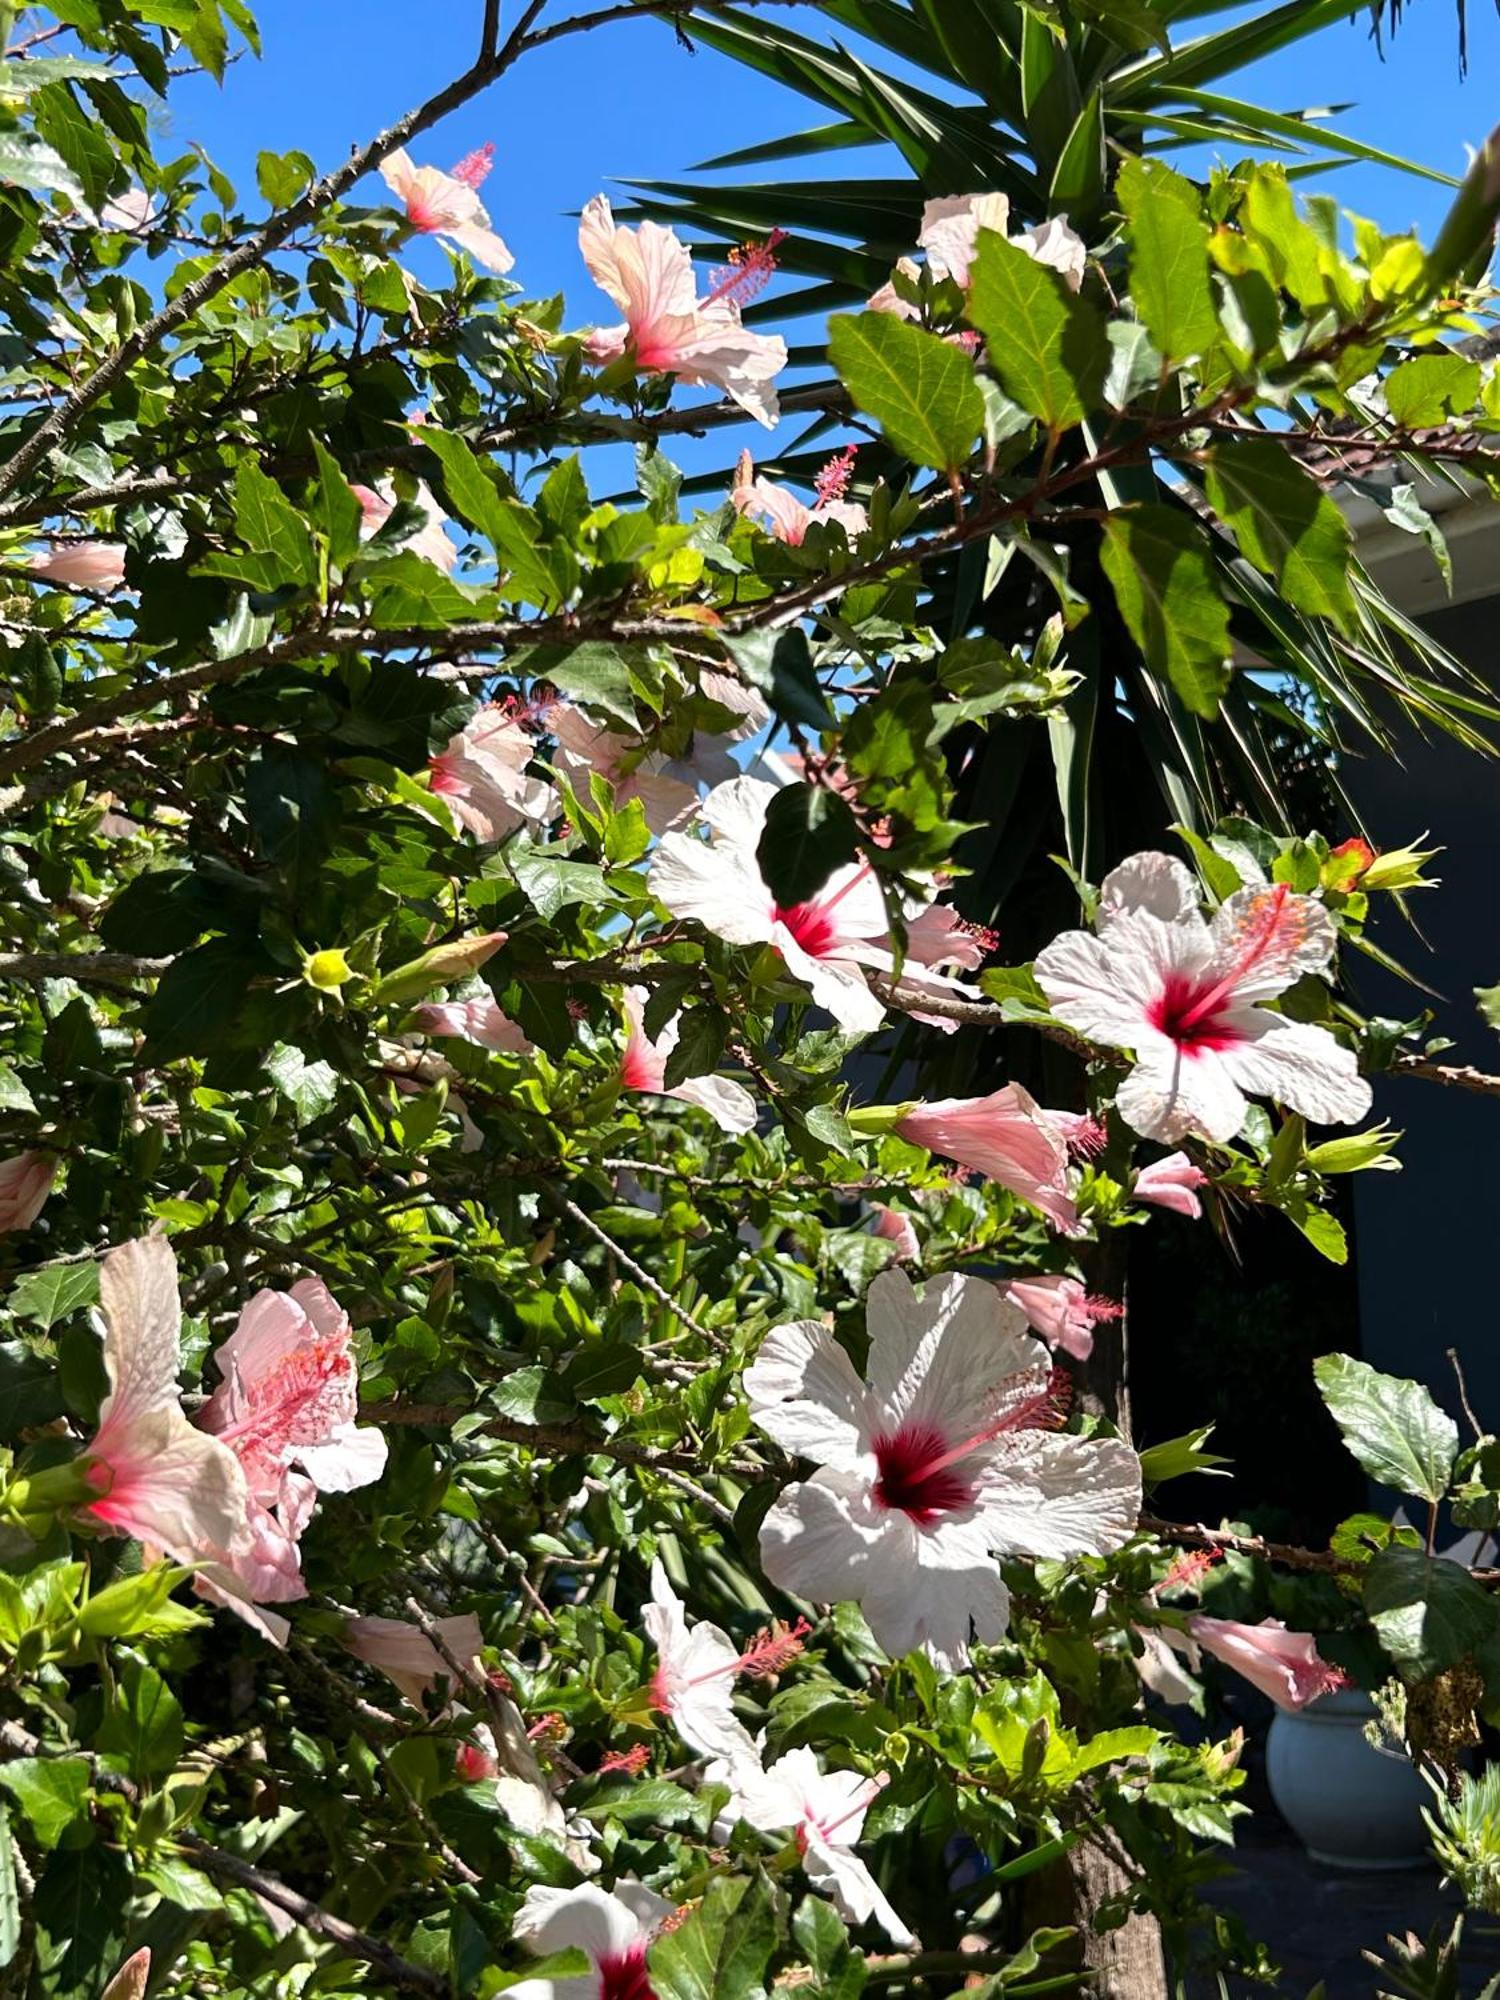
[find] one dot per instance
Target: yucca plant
(1043, 100)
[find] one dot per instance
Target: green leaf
(701, 1035)
(14, 1096)
(1169, 272)
(50, 1294)
(140, 1606)
(338, 512)
(513, 530)
(1429, 1614)
(282, 177)
(142, 1732)
(644, 1802)
(722, 1950)
(551, 885)
(194, 1008)
(1176, 1457)
(26, 162)
(1488, 998)
(780, 665)
(1048, 348)
(1287, 524)
(594, 671)
(1431, 387)
(1392, 1426)
(920, 389)
(30, 1391)
(270, 527)
(80, 1912)
(1170, 598)
(51, 1791)
(533, 1396)
(809, 832)
(292, 807)
(310, 1088)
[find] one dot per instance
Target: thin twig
(1463, 1394)
(1458, 1076)
(229, 1867)
(88, 968)
(639, 1272)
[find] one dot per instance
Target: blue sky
(629, 101)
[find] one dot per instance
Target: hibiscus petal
(1157, 884)
(482, 244)
(1171, 1093)
(729, 1104)
(947, 1588)
(1052, 1496)
(1266, 937)
(582, 1919)
(805, 1394)
(855, 1893)
(1109, 987)
(837, 986)
(936, 1358)
(1302, 1066)
(825, 1540)
(142, 1320)
(354, 1455)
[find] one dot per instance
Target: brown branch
(230, 1868)
(1458, 1076)
(1190, 1535)
(89, 968)
(559, 1440)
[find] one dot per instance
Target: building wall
(1426, 1238)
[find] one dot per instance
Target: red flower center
(625, 1977)
(812, 926)
(1179, 1012)
(917, 1474)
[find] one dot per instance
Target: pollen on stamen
(748, 272)
(832, 482)
(632, 1762)
(774, 1649)
(549, 1728)
(1100, 1308)
(1187, 1570)
(1088, 1139)
(473, 168)
(988, 940)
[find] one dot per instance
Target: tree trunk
(1122, 1964)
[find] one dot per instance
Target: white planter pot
(1350, 1805)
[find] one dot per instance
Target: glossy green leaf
(1392, 1426)
(920, 390)
(1168, 249)
(1048, 348)
(1169, 597)
(1290, 527)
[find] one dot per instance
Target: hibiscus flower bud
(441, 966)
(129, 1983)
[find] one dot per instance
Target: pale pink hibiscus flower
(479, 1021)
(407, 1657)
(892, 1227)
(667, 327)
(613, 1927)
(290, 1395)
(430, 541)
(129, 214)
(482, 774)
(946, 1455)
(1062, 1310)
(158, 1477)
(439, 204)
(824, 1811)
(1183, 995)
(1171, 1183)
(696, 1668)
(789, 518)
(829, 943)
(950, 236)
(81, 565)
(644, 1067)
(666, 787)
(1008, 1138)
(1284, 1665)
(25, 1183)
